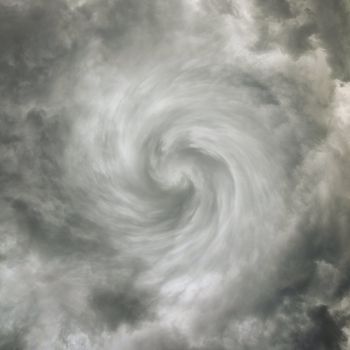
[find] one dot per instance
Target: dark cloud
(323, 333)
(34, 44)
(274, 8)
(116, 308)
(300, 23)
(11, 342)
(333, 24)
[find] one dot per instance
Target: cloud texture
(174, 175)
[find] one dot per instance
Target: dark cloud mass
(174, 175)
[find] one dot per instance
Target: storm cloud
(174, 175)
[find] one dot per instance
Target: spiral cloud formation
(174, 175)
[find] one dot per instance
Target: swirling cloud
(174, 175)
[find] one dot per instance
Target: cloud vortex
(174, 175)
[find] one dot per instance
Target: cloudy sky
(174, 175)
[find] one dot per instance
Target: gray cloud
(305, 25)
(324, 333)
(174, 175)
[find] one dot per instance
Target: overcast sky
(174, 175)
